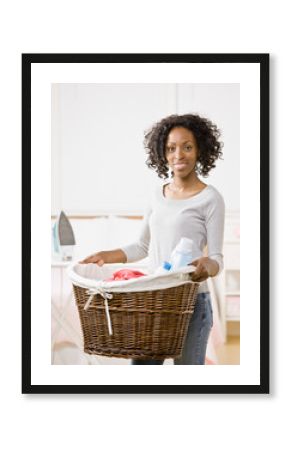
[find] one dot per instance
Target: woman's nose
(178, 153)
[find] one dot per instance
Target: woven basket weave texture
(146, 325)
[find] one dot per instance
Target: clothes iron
(63, 237)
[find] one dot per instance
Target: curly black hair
(205, 132)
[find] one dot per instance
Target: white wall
(98, 159)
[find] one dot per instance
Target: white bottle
(182, 254)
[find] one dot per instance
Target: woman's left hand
(205, 268)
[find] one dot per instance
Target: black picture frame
(263, 61)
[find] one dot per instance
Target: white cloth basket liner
(91, 276)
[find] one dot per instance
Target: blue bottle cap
(166, 265)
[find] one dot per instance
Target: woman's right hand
(96, 258)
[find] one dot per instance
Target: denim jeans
(194, 348)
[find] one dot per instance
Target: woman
(187, 145)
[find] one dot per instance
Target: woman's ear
(197, 167)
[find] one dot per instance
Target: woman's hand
(106, 257)
(205, 268)
(96, 258)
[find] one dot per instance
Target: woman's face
(181, 151)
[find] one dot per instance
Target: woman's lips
(180, 165)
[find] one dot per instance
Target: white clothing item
(200, 218)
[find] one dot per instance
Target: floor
(229, 353)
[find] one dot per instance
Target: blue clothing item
(200, 324)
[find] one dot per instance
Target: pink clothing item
(125, 274)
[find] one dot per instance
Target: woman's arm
(129, 253)
(139, 249)
(212, 265)
(106, 257)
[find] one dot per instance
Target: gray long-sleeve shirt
(200, 218)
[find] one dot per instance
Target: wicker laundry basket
(149, 324)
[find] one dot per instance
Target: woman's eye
(172, 149)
